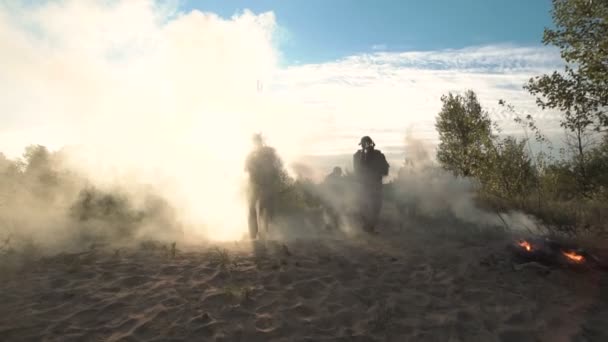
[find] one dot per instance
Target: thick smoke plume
(423, 189)
(157, 108)
(145, 94)
(48, 206)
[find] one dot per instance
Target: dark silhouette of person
(333, 187)
(267, 178)
(336, 173)
(370, 166)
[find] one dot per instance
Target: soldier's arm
(384, 163)
(356, 163)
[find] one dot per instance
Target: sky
(316, 31)
(171, 92)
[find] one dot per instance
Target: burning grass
(525, 245)
(573, 256)
(555, 253)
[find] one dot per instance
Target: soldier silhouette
(266, 181)
(370, 166)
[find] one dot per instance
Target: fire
(573, 256)
(525, 245)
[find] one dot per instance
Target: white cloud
(385, 93)
(177, 94)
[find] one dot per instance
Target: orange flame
(525, 245)
(573, 256)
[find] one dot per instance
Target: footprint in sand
(59, 282)
(111, 311)
(151, 326)
(215, 298)
(519, 318)
(465, 316)
(308, 289)
(172, 302)
(170, 270)
(265, 323)
(268, 308)
(134, 281)
(414, 299)
(208, 329)
(517, 336)
(302, 311)
(347, 275)
(285, 278)
(422, 275)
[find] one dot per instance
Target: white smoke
(427, 190)
(147, 94)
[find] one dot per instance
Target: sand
(402, 285)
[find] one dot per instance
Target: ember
(553, 252)
(573, 256)
(525, 245)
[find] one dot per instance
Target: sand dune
(406, 285)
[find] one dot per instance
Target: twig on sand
(507, 228)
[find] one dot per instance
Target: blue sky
(314, 31)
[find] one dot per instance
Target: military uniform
(369, 167)
(264, 169)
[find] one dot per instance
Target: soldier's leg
(253, 220)
(263, 217)
(367, 212)
(375, 214)
(375, 206)
(329, 213)
(259, 208)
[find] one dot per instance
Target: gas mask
(367, 147)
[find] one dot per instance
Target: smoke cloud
(155, 108)
(424, 189)
(145, 94)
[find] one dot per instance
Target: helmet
(366, 140)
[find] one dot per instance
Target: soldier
(333, 189)
(370, 166)
(266, 177)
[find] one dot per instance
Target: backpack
(377, 163)
(381, 163)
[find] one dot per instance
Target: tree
(597, 166)
(465, 134)
(510, 173)
(581, 91)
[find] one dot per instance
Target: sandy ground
(402, 285)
